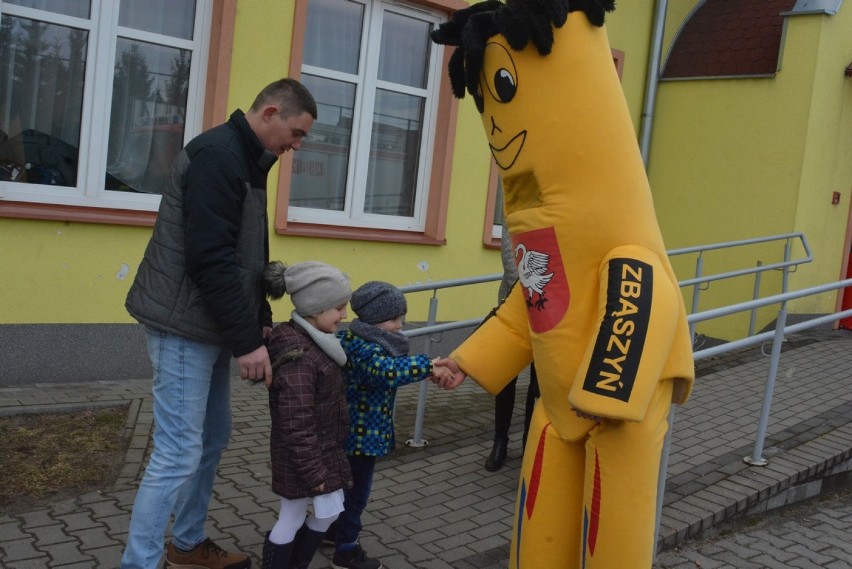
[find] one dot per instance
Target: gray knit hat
(315, 287)
(378, 301)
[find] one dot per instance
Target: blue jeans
(347, 527)
(192, 426)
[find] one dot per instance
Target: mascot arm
(638, 315)
(500, 348)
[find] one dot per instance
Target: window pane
(320, 167)
(174, 18)
(404, 56)
(42, 70)
(76, 8)
(394, 154)
(148, 114)
(333, 35)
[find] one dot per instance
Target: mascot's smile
(507, 155)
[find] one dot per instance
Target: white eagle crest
(532, 268)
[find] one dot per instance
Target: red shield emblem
(542, 277)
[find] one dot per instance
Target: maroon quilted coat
(310, 418)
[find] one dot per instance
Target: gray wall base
(68, 353)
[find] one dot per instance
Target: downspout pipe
(653, 80)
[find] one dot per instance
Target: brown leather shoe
(205, 555)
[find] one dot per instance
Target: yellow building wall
(741, 158)
(725, 164)
(629, 29)
(60, 272)
(827, 159)
(80, 273)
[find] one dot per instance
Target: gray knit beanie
(378, 301)
(315, 287)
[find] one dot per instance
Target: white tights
(292, 517)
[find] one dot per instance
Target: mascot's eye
(505, 86)
(499, 73)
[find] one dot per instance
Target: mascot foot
(495, 460)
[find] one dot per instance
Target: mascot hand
(450, 380)
(589, 416)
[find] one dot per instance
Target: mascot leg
(620, 496)
(547, 521)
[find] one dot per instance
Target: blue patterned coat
(372, 377)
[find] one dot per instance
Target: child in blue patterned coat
(377, 364)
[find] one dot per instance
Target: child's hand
(446, 373)
(441, 374)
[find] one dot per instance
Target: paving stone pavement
(812, 534)
(435, 506)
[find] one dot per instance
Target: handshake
(446, 373)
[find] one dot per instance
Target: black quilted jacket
(201, 275)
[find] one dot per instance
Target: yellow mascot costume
(597, 305)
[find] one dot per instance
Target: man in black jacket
(200, 295)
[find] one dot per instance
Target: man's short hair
(291, 97)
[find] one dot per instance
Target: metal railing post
(754, 296)
(418, 441)
(786, 278)
(696, 289)
(757, 459)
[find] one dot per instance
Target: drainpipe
(653, 80)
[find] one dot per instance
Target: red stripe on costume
(535, 475)
(595, 517)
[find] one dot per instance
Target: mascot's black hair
(519, 21)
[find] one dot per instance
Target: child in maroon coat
(310, 418)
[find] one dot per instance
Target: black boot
(306, 543)
(276, 556)
(495, 460)
(329, 537)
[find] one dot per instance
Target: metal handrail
(434, 286)
(777, 335)
(787, 266)
(741, 242)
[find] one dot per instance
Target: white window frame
(104, 32)
(353, 214)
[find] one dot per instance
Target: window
(97, 97)
(370, 160)
(494, 212)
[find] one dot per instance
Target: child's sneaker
(355, 558)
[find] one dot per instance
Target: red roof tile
(729, 37)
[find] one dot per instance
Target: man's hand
(255, 366)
